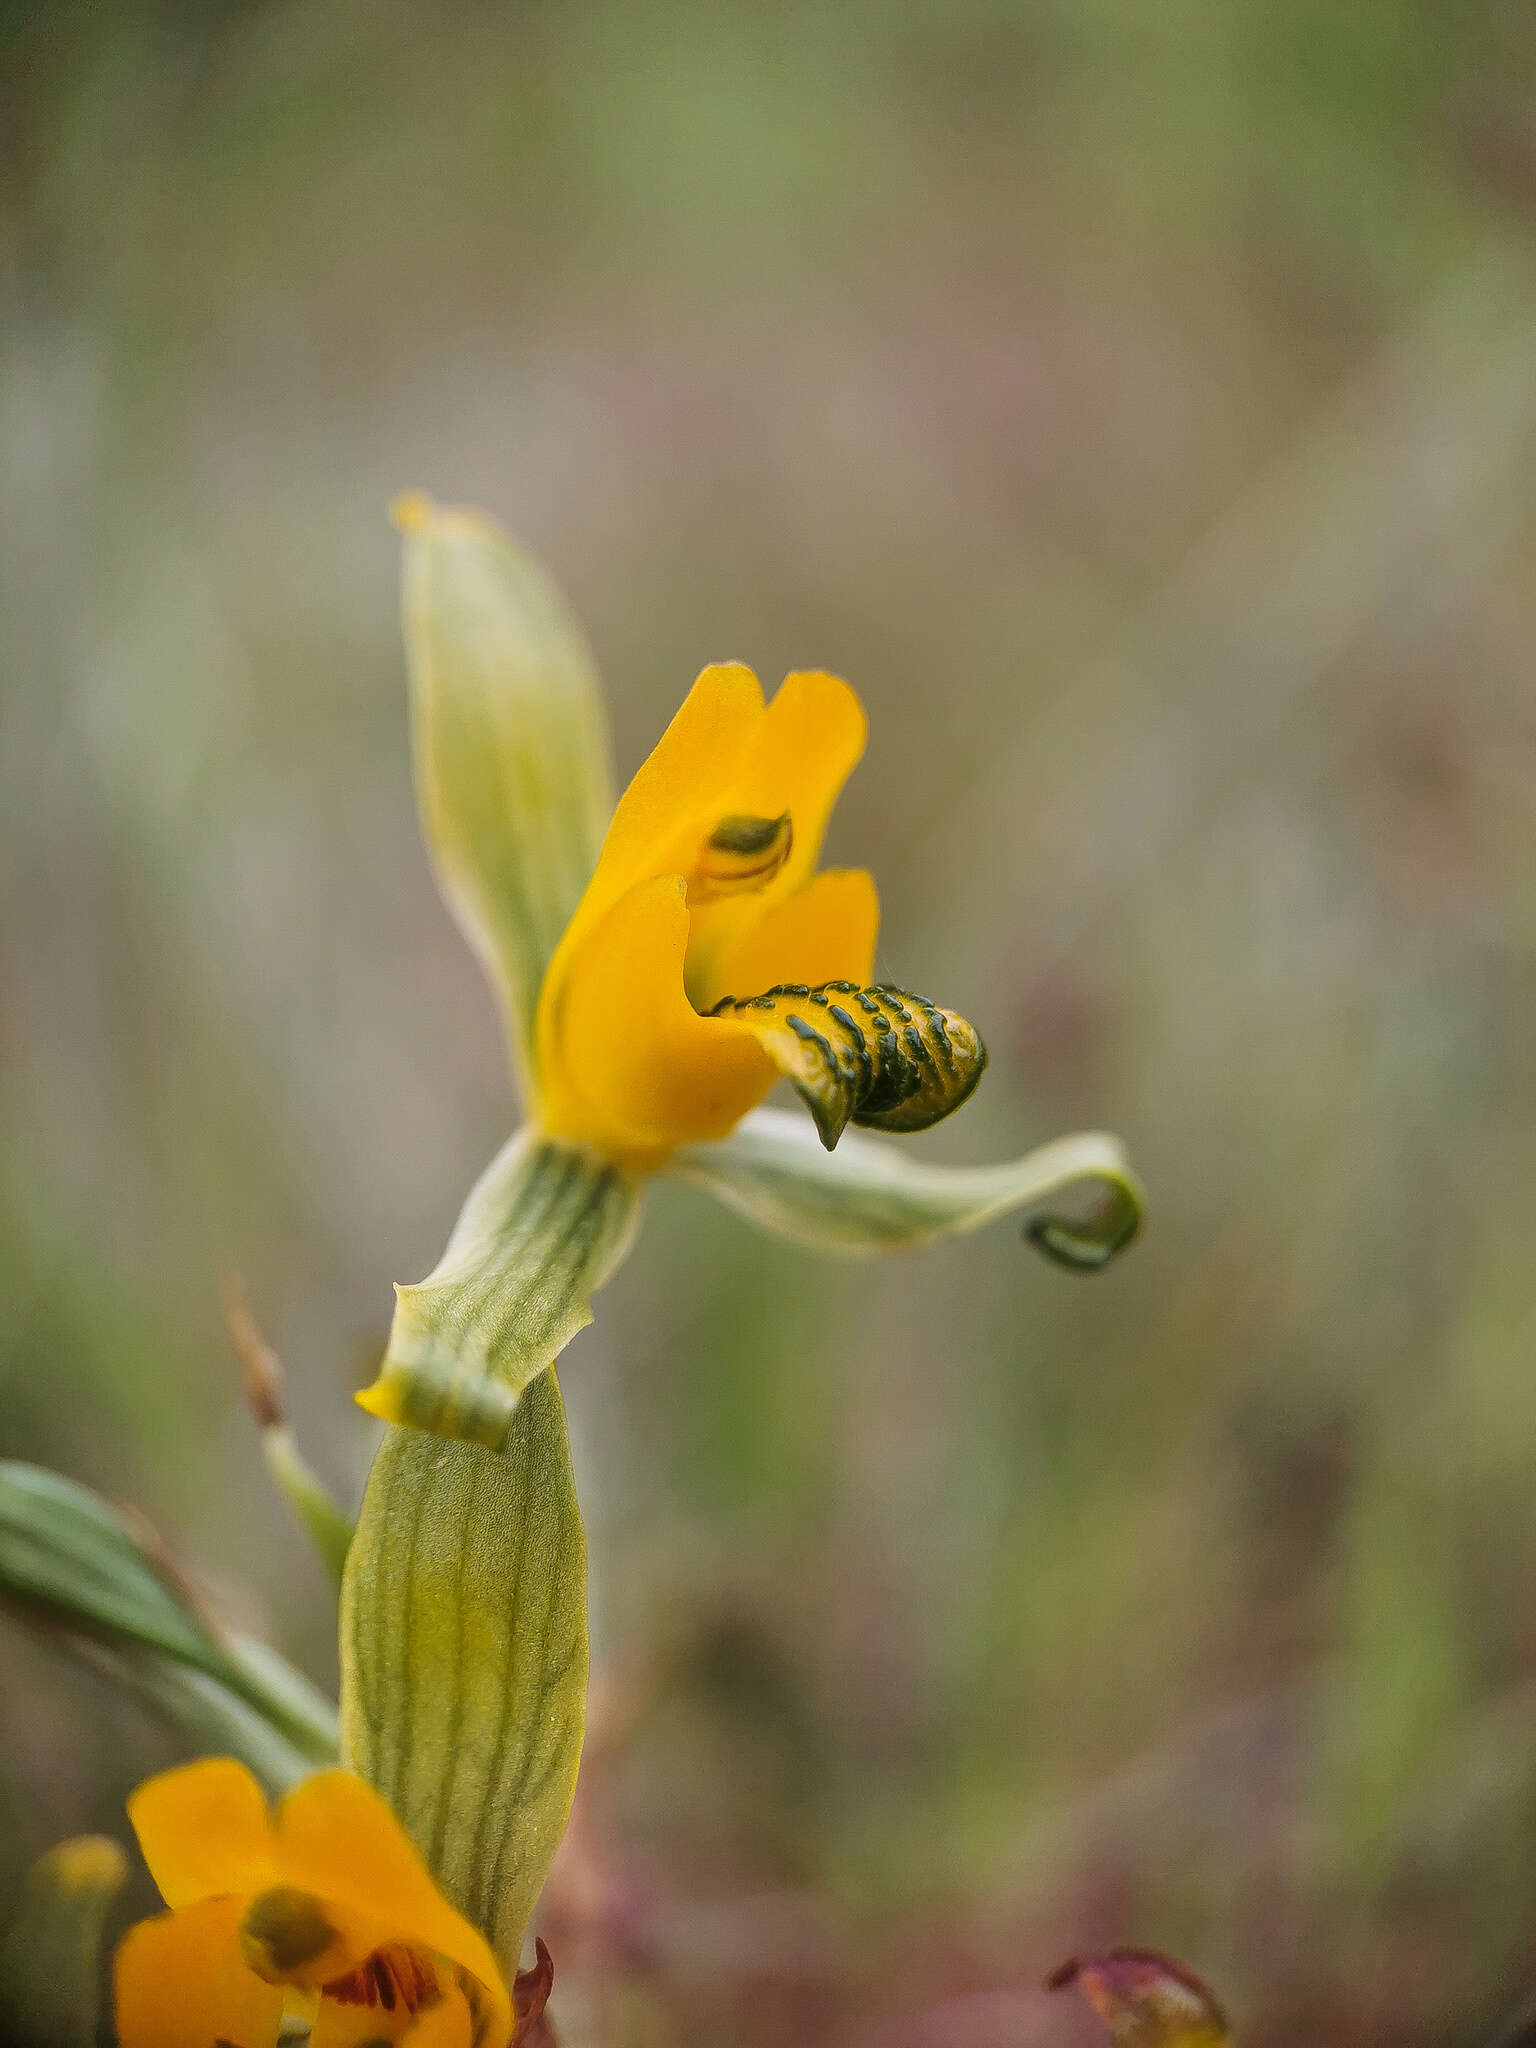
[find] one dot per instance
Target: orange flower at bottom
(322, 1908)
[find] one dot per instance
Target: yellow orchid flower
(660, 965)
(706, 956)
(323, 1908)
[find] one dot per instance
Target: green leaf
(63, 1547)
(209, 1718)
(107, 1589)
(464, 1655)
(543, 1228)
(324, 1521)
(50, 1958)
(511, 745)
(1082, 1201)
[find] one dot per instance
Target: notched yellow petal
(341, 1840)
(1146, 1999)
(181, 1982)
(204, 1830)
(877, 1056)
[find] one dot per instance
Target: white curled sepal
(1080, 1199)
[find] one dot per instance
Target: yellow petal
(449, 2025)
(627, 1063)
(809, 740)
(180, 1983)
(826, 932)
(337, 1838)
(682, 787)
(809, 743)
(204, 1830)
(357, 2026)
(638, 1070)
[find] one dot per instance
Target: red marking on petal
(393, 1976)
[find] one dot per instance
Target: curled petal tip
(530, 1995)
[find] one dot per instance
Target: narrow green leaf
(50, 1957)
(107, 1589)
(464, 1655)
(1081, 1200)
(62, 1546)
(543, 1228)
(511, 744)
(318, 1513)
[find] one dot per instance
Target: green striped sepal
(50, 1954)
(510, 739)
(464, 1655)
(104, 1589)
(543, 1228)
(1081, 1201)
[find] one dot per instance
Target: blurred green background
(1138, 403)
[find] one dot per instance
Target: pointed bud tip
(376, 1400)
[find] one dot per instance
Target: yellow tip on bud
(409, 511)
(379, 1401)
(88, 1863)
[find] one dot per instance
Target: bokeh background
(1138, 403)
